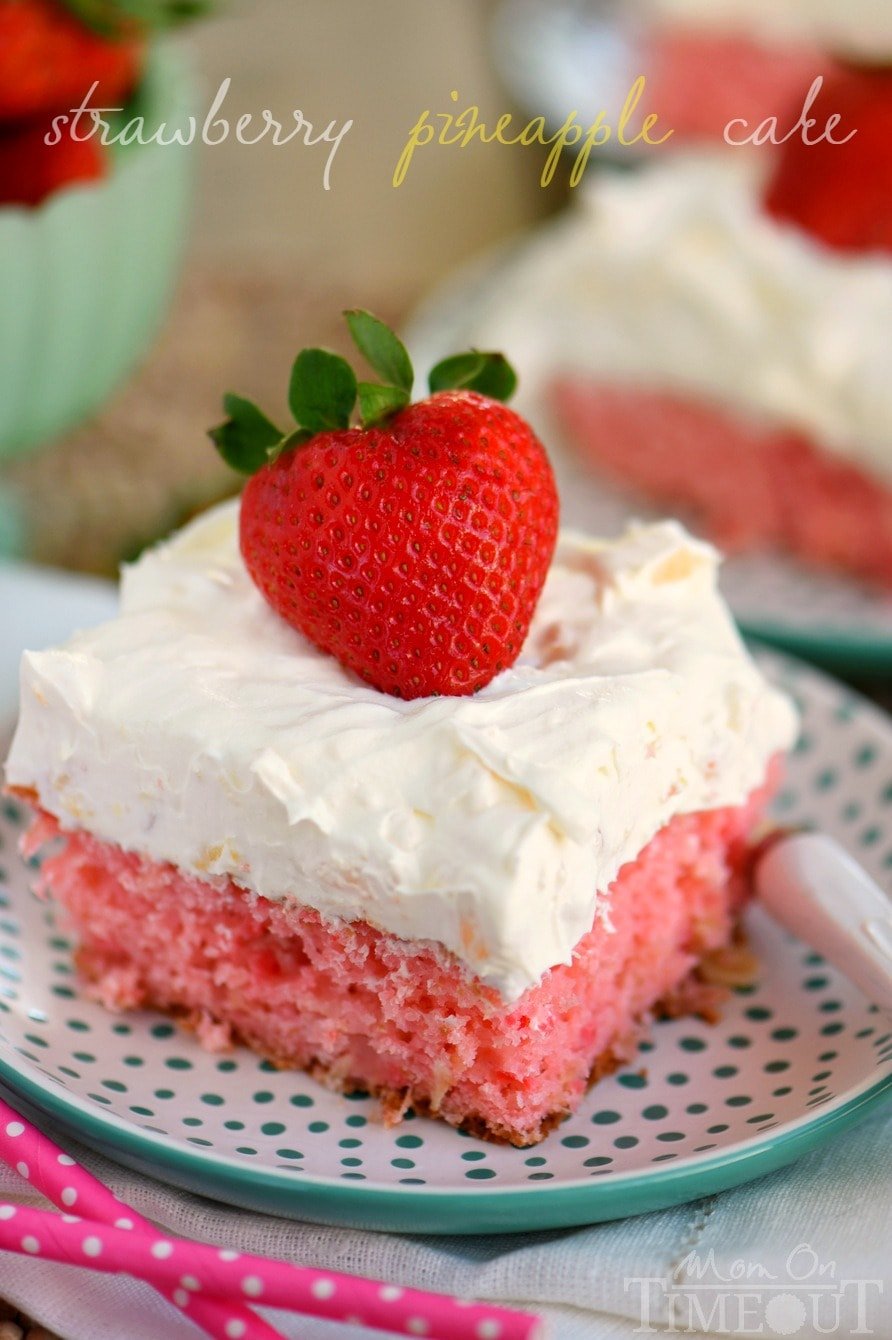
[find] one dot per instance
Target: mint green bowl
(86, 277)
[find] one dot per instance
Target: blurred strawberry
(842, 193)
(31, 169)
(49, 60)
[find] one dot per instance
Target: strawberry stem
(323, 391)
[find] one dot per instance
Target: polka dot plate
(797, 1057)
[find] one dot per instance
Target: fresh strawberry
(31, 169)
(842, 193)
(413, 547)
(49, 60)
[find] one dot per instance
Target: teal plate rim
(407, 1209)
(845, 650)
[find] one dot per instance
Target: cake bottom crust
(701, 994)
(750, 486)
(361, 1009)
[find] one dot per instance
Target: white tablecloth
(776, 1257)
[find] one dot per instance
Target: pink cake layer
(750, 485)
(362, 1009)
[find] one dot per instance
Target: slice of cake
(466, 904)
(469, 903)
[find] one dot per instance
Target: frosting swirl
(198, 728)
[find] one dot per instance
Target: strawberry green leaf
(490, 374)
(119, 19)
(247, 439)
(457, 371)
(381, 348)
(323, 390)
(377, 403)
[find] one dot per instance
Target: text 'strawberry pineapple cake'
(465, 901)
(718, 342)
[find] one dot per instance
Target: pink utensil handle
(75, 1191)
(192, 1268)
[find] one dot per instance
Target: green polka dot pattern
(797, 1043)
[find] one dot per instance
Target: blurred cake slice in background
(712, 355)
(705, 64)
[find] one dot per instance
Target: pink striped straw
(106, 1235)
(192, 1268)
(56, 1175)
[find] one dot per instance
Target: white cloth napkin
(806, 1251)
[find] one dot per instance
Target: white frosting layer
(674, 277)
(198, 728)
(852, 27)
